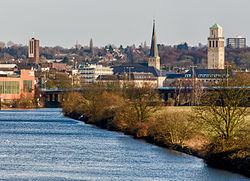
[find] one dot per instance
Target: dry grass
(175, 109)
(188, 109)
(248, 116)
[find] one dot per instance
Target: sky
(120, 22)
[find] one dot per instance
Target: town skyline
(63, 23)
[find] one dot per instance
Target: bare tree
(224, 109)
(10, 43)
(144, 101)
(2, 44)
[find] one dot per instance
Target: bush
(73, 103)
(172, 128)
(25, 102)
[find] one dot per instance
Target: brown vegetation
(26, 102)
(139, 112)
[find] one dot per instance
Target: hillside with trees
(181, 56)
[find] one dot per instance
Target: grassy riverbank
(138, 112)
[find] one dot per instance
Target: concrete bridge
(54, 97)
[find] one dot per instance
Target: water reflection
(44, 145)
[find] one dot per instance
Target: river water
(44, 145)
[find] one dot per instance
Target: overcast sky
(126, 22)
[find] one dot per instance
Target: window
(9, 87)
(27, 86)
(216, 43)
(210, 44)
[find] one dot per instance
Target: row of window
(31, 47)
(144, 77)
(213, 44)
(13, 87)
(9, 87)
(206, 75)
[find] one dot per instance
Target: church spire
(154, 59)
(154, 48)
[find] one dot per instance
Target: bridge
(54, 97)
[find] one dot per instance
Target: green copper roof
(215, 26)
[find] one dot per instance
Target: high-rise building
(237, 42)
(33, 53)
(154, 59)
(216, 49)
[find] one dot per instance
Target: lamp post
(193, 90)
(0, 98)
(129, 72)
(72, 83)
(227, 73)
(72, 80)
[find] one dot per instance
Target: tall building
(33, 53)
(237, 42)
(216, 49)
(91, 46)
(154, 59)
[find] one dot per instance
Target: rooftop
(10, 66)
(136, 67)
(216, 26)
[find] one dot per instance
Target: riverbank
(140, 112)
(237, 161)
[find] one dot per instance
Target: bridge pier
(52, 100)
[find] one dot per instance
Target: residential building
(236, 42)
(138, 79)
(90, 72)
(216, 49)
(140, 69)
(54, 66)
(33, 51)
(18, 85)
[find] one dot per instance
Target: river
(44, 145)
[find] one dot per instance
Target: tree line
(180, 55)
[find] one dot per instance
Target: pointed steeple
(154, 48)
(91, 45)
(154, 59)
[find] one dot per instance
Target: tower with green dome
(216, 48)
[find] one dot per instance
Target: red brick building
(17, 85)
(61, 67)
(33, 52)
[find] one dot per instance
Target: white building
(90, 72)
